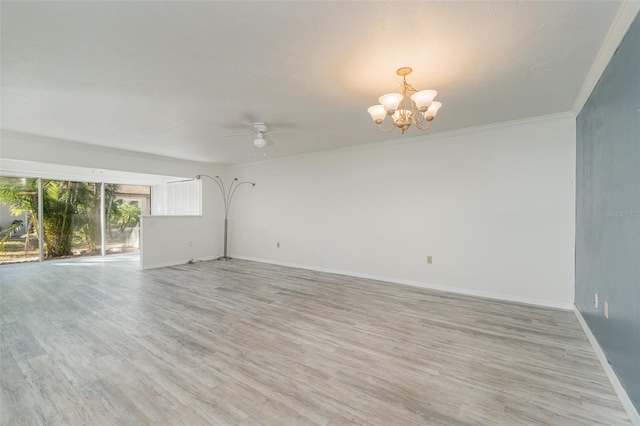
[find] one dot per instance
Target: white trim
(103, 222)
(40, 221)
(618, 30)
(30, 169)
(415, 139)
(430, 286)
(491, 126)
(628, 406)
(173, 263)
(99, 149)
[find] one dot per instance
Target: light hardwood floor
(99, 342)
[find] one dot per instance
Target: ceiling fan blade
(282, 131)
(288, 125)
(269, 140)
(236, 134)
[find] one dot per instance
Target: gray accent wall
(608, 212)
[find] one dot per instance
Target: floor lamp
(227, 196)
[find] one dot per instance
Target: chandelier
(419, 109)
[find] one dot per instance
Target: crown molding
(625, 17)
(474, 130)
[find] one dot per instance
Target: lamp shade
(423, 99)
(377, 113)
(390, 101)
(432, 111)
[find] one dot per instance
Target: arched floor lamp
(227, 196)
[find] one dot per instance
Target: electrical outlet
(606, 310)
(429, 259)
(595, 300)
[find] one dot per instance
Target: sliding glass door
(19, 220)
(78, 218)
(124, 205)
(71, 217)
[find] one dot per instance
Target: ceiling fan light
(390, 101)
(430, 113)
(423, 99)
(377, 113)
(259, 141)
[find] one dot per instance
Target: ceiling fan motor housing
(260, 127)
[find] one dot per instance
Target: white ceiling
(172, 78)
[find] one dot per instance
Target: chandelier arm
(414, 117)
(410, 87)
(423, 128)
(383, 129)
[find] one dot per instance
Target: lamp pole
(227, 196)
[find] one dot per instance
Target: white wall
(174, 240)
(494, 206)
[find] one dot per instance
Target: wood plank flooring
(97, 341)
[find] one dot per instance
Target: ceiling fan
(260, 130)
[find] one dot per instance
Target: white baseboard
(173, 263)
(430, 286)
(633, 414)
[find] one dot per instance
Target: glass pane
(71, 218)
(124, 205)
(18, 219)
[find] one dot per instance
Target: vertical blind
(184, 198)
